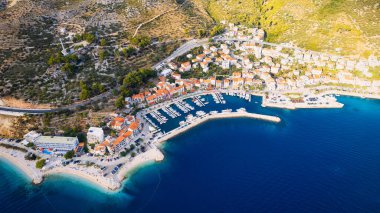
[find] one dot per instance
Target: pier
(218, 98)
(227, 114)
(185, 107)
(198, 101)
(158, 116)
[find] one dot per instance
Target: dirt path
(157, 16)
(12, 3)
(13, 102)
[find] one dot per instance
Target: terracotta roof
(138, 96)
(127, 134)
(151, 98)
(118, 140)
(134, 125)
(120, 119)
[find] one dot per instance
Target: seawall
(222, 115)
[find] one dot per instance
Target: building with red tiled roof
(117, 123)
(138, 98)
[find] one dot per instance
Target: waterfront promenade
(207, 117)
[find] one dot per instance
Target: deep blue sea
(319, 160)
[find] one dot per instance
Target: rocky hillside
(30, 33)
(348, 27)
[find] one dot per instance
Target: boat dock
(198, 101)
(218, 98)
(183, 106)
(201, 118)
(170, 111)
(158, 116)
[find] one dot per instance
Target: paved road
(199, 42)
(181, 50)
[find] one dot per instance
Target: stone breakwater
(208, 117)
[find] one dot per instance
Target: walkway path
(208, 117)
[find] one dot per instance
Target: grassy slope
(324, 25)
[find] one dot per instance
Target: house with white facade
(95, 135)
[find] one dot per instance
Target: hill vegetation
(347, 27)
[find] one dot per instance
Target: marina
(192, 121)
(180, 113)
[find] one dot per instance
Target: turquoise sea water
(323, 160)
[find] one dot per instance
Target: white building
(57, 143)
(225, 64)
(31, 136)
(95, 135)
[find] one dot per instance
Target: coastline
(152, 155)
(109, 184)
(293, 106)
(201, 120)
(352, 94)
(105, 183)
(13, 157)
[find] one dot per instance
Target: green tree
(103, 42)
(97, 88)
(102, 54)
(216, 30)
(40, 163)
(69, 154)
(132, 147)
(30, 145)
(140, 41)
(251, 57)
(68, 68)
(85, 93)
(51, 60)
(89, 37)
(202, 33)
(123, 154)
(30, 156)
(120, 102)
(129, 51)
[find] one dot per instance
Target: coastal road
(178, 52)
(181, 50)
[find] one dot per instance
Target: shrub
(40, 163)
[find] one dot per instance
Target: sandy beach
(16, 158)
(90, 174)
(152, 155)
